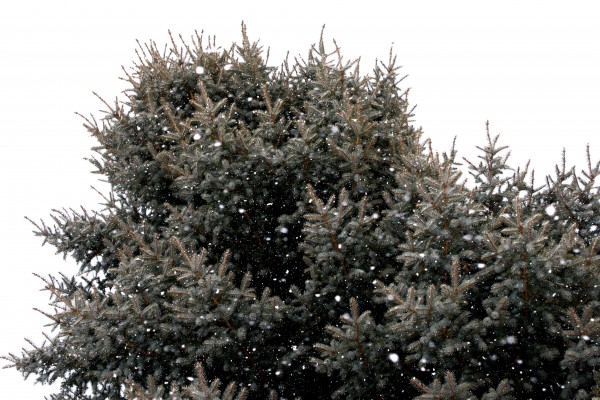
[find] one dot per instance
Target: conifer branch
(183, 253)
(356, 321)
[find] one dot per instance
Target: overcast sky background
(529, 67)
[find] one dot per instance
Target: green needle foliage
(287, 233)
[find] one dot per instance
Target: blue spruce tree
(286, 233)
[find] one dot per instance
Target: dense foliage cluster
(287, 233)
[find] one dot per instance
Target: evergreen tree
(287, 233)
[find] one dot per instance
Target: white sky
(530, 67)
